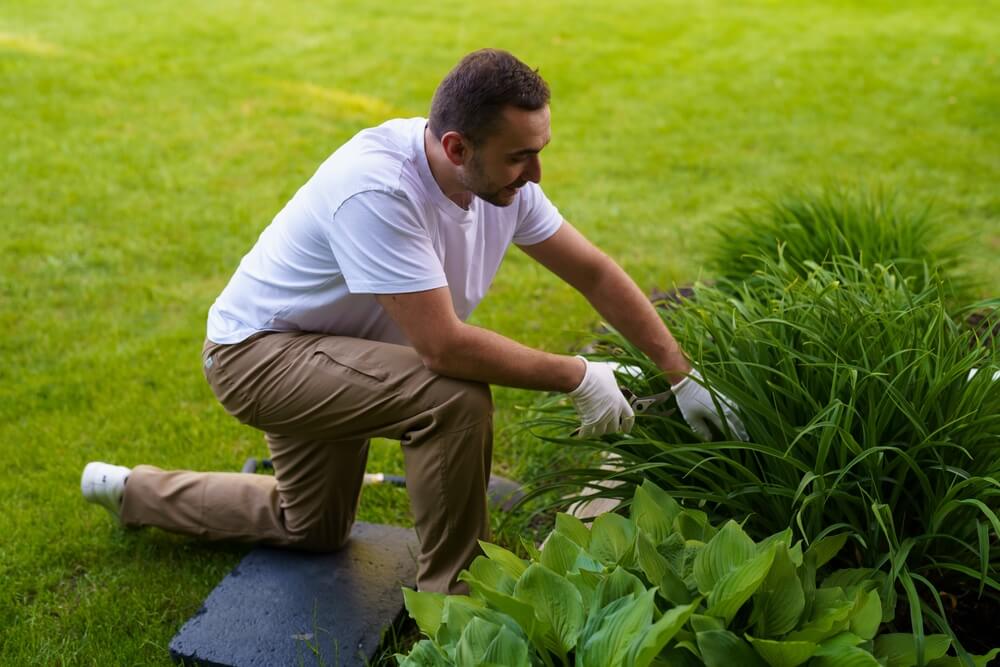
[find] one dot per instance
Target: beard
(475, 180)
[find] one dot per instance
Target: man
(346, 321)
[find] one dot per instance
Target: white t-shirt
(372, 220)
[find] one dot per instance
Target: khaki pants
(319, 399)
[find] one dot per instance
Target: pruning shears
(642, 404)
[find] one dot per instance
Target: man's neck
(444, 171)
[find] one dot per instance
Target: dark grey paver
(278, 606)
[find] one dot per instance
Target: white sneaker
(104, 484)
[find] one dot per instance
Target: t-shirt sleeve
(381, 247)
(537, 219)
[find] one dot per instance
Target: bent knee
(472, 399)
(319, 538)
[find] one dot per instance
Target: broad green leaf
(867, 615)
(780, 600)
(612, 540)
(586, 582)
(644, 648)
(843, 655)
(424, 608)
(508, 562)
(425, 653)
(574, 529)
(850, 577)
(507, 649)
(703, 623)
(830, 614)
(458, 611)
(822, 550)
(783, 654)
(606, 647)
(694, 525)
(477, 635)
(736, 587)
(620, 583)
(654, 511)
(721, 648)
(977, 660)
(556, 601)
(900, 649)
(728, 550)
(679, 656)
(658, 570)
(559, 553)
(490, 573)
(522, 613)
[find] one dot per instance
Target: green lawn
(145, 145)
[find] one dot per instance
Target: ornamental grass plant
(853, 382)
(870, 225)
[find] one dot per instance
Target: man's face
(508, 158)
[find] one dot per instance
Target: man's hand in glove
(698, 408)
(600, 403)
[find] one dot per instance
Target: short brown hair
(472, 97)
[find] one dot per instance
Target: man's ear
(456, 148)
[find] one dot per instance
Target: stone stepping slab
(282, 607)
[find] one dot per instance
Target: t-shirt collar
(447, 206)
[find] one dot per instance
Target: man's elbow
(439, 353)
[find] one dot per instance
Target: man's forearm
(479, 354)
(620, 301)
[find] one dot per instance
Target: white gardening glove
(600, 403)
(695, 403)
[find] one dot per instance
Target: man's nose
(533, 170)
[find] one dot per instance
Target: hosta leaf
(574, 529)
(424, 608)
(728, 550)
(678, 656)
(694, 525)
(654, 511)
(506, 649)
(736, 587)
(606, 646)
(425, 653)
(490, 573)
(831, 611)
(644, 648)
(822, 550)
(559, 553)
(586, 582)
(783, 654)
(612, 540)
(780, 601)
(620, 583)
(867, 616)
(508, 562)
(458, 611)
(658, 570)
(522, 613)
(556, 601)
(843, 655)
(721, 648)
(477, 635)
(900, 649)
(703, 623)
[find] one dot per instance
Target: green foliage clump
(665, 587)
(863, 419)
(816, 226)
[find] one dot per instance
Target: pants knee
(319, 537)
(473, 400)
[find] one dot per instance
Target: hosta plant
(661, 587)
(854, 387)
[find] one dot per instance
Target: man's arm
(613, 294)
(451, 347)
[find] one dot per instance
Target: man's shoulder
(376, 158)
